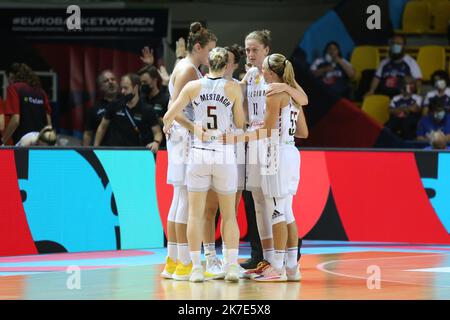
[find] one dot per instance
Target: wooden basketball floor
(330, 270)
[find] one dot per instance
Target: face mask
(409, 88)
(439, 115)
(396, 51)
(145, 89)
(127, 97)
(440, 84)
(328, 58)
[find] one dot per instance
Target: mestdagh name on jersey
(213, 97)
(256, 94)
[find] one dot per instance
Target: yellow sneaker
(182, 272)
(169, 268)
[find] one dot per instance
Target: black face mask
(127, 97)
(145, 89)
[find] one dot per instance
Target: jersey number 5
(212, 116)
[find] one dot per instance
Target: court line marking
(321, 267)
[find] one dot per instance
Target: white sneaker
(214, 266)
(197, 275)
(293, 274)
(233, 273)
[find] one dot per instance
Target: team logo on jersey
(257, 79)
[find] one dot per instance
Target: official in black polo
(131, 122)
(152, 93)
(27, 104)
(108, 88)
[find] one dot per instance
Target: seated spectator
(392, 70)
(27, 104)
(131, 122)
(46, 137)
(108, 87)
(436, 120)
(405, 111)
(438, 141)
(441, 90)
(334, 71)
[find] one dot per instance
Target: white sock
(232, 256)
(172, 250)
(210, 250)
(278, 259)
(183, 253)
(268, 254)
(196, 258)
(224, 253)
(291, 260)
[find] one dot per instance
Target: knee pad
(262, 217)
(174, 205)
(288, 210)
(182, 208)
(278, 210)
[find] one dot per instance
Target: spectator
(441, 90)
(152, 95)
(107, 84)
(334, 71)
(131, 123)
(27, 104)
(438, 141)
(436, 120)
(46, 137)
(149, 60)
(405, 111)
(392, 70)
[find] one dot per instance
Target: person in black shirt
(151, 84)
(131, 122)
(27, 104)
(108, 86)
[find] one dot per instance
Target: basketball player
(178, 263)
(217, 103)
(214, 265)
(282, 121)
(257, 47)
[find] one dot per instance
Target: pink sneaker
(270, 274)
(293, 274)
(252, 273)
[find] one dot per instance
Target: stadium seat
(416, 17)
(440, 12)
(377, 107)
(364, 58)
(430, 59)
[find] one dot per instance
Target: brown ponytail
(199, 34)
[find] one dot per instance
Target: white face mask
(396, 48)
(328, 58)
(440, 84)
(439, 115)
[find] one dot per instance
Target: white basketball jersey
(256, 98)
(188, 110)
(213, 111)
(287, 123)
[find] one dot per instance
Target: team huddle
(225, 136)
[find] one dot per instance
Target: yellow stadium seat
(364, 58)
(416, 17)
(440, 12)
(430, 59)
(377, 107)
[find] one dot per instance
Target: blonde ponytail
(288, 74)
